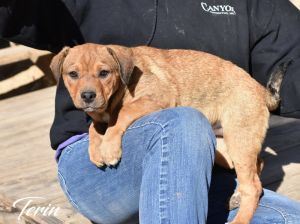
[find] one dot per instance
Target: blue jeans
(165, 176)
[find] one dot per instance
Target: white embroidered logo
(218, 9)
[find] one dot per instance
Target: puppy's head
(92, 73)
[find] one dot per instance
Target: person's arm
(46, 24)
(275, 37)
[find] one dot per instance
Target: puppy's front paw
(95, 155)
(110, 151)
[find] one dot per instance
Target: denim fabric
(163, 177)
(69, 141)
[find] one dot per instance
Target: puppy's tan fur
(143, 79)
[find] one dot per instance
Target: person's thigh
(107, 195)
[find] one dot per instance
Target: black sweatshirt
(254, 34)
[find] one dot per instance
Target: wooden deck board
(27, 161)
(282, 163)
(28, 167)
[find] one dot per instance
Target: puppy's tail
(274, 84)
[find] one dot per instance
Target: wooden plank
(18, 53)
(8, 218)
(27, 161)
(23, 78)
(6, 204)
(40, 219)
(282, 159)
(287, 163)
(289, 186)
(296, 3)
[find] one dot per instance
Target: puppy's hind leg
(249, 188)
(243, 136)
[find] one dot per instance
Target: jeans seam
(69, 148)
(163, 179)
(163, 199)
(162, 126)
(279, 211)
(147, 123)
(63, 182)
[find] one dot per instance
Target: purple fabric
(69, 141)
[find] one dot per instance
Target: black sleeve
(46, 24)
(68, 121)
(275, 37)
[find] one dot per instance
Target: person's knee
(182, 115)
(193, 129)
(185, 126)
(189, 122)
(189, 115)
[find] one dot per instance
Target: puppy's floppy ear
(123, 57)
(57, 62)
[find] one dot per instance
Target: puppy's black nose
(88, 96)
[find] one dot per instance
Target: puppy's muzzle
(88, 96)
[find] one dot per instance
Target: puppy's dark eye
(103, 74)
(74, 75)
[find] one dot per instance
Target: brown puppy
(118, 85)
